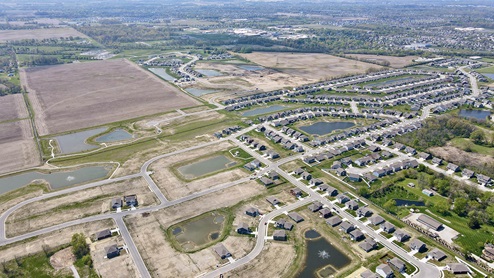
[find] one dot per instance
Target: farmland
(101, 92)
(392, 61)
(17, 144)
(311, 66)
(38, 34)
(12, 107)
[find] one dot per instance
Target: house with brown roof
(103, 234)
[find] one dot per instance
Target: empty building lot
(75, 96)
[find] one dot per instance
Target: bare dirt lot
(76, 205)
(62, 259)
(107, 267)
(51, 240)
(100, 92)
(311, 66)
(175, 187)
(162, 259)
(12, 107)
(38, 34)
(17, 144)
(395, 62)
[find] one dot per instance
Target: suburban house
(368, 245)
(273, 175)
(387, 227)
(243, 228)
(483, 179)
(112, 251)
(429, 222)
(397, 264)
(103, 234)
(221, 251)
(376, 220)
(266, 181)
(436, 254)
(272, 200)
(467, 173)
(410, 150)
(340, 172)
(369, 274)
(347, 227)
(353, 205)
(295, 217)
(325, 212)
(333, 221)
(315, 182)
(453, 167)
(379, 173)
(357, 235)
(401, 235)
(116, 203)
(252, 212)
(488, 252)
(418, 245)
(437, 161)
(342, 198)
(279, 235)
(385, 271)
(457, 268)
(331, 191)
(315, 206)
(296, 192)
(131, 200)
(298, 171)
(284, 224)
(306, 176)
(425, 156)
(364, 212)
(428, 192)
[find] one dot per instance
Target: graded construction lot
(174, 186)
(108, 267)
(17, 146)
(51, 240)
(395, 62)
(38, 34)
(162, 260)
(12, 107)
(72, 206)
(310, 66)
(75, 96)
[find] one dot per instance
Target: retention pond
(56, 179)
(322, 128)
(475, 114)
(263, 110)
(321, 257)
(116, 135)
(206, 166)
(198, 232)
(76, 142)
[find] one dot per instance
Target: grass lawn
(486, 70)
(462, 143)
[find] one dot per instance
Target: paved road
(473, 82)
(136, 256)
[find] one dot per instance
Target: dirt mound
(62, 259)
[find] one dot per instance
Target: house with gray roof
(364, 212)
(376, 220)
(243, 228)
(369, 274)
(368, 245)
(315, 206)
(401, 235)
(295, 217)
(387, 227)
(334, 221)
(221, 250)
(436, 254)
(385, 271)
(279, 235)
(103, 234)
(272, 200)
(342, 198)
(346, 227)
(418, 245)
(252, 212)
(112, 251)
(397, 264)
(357, 235)
(116, 203)
(457, 268)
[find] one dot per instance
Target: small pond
(162, 73)
(199, 92)
(320, 254)
(76, 142)
(321, 128)
(263, 110)
(199, 232)
(406, 203)
(206, 166)
(250, 67)
(489, 75)
(209, 72)
(56, 179)
(312, 234)
(116, 135)
(475, 114)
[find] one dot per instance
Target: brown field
(165, 261)
(461, 157)
(76, 205)
(107, 267)
(176, 187)
(75, 96)
(17, 144)
(312, 66)
(38, 34)
(12, 107)
(395, 62)
(51, 240)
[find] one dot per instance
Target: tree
(389, 205)
(79, 246)
(478, 136)
(442, 206)
(460, 207)
(363, 191)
